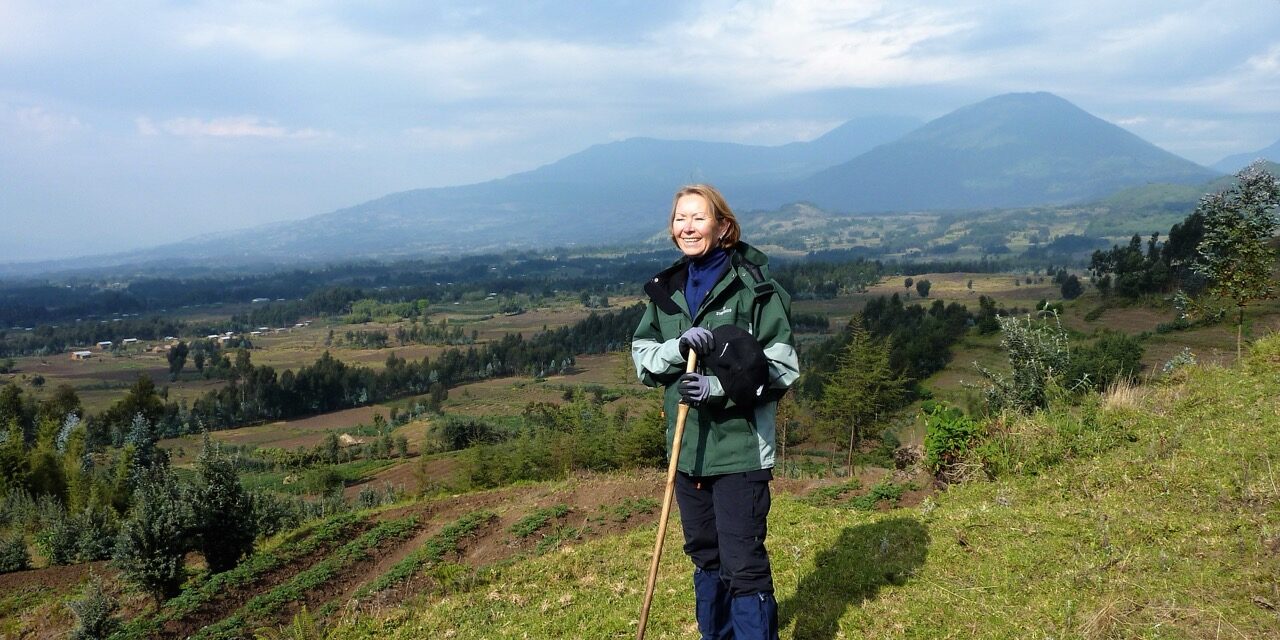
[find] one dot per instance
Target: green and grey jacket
(720, 437)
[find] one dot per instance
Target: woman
(719, 301)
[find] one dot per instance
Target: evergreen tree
(14, 465)
(223, 526)
(154, 539)
(922, 288)
(95, 612)
(861, 387)
(13, 553)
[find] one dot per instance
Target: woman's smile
(693, 226)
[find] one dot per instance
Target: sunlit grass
(1170, 532)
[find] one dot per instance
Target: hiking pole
(681, 414)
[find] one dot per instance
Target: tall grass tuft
(1123, 393)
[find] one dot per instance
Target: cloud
(39, 122)
(813, 45)
(1266, 63)
(227, 127)
(43, 121)
(455, 138)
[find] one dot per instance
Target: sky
(131, 124)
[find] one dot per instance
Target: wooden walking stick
(682, 413)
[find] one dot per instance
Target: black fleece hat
(739, 363)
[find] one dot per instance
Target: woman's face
(694, 227)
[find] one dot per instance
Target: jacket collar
(662, 287)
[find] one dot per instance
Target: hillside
(1157, 206)
(1007, 151)
(1162, 521)
(1234, 163)
(1151, 514)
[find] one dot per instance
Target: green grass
(1170, 531)
(14, 603)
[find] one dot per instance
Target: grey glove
(694, 389)
(698, 339)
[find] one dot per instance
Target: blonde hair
(724, 217)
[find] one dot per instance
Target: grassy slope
(1173, 534)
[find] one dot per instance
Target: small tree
(177, 359)
(13, 553)
(861, 388)
(95, 612)
(907, 283)
(1071, 287)
(1235, 254)
(153, 540)
(223, 524)
(922, 288)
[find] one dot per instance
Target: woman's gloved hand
(698, 339)
(694, 389)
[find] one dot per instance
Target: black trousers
(725, 523)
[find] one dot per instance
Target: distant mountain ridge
(1234, 163)
(1007, 151)
(605, 193)
(1013, 150)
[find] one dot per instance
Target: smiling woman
(719, 301)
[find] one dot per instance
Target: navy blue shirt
(704, 272)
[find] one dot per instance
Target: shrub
(13, 553)
(949, 435)
(97, 527)
(59, 540)
(273, 513)
(1112, 357)
(1184, 358)
(461, 433)
(368, 498)
(18, 509)
(886, 491)
(95, 612)
(1038, 357)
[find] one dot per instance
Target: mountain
(1232, 164)
(1012, 150)
(605, 193)
(1008, 151)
